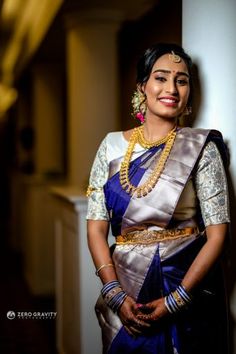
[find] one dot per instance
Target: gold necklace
(147, 144)
(146, 187)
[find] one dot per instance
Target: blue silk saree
(150, 271)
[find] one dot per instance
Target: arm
(97, 215)
(207, 257)
(212, 192)
(99, 248)
(97, 230)
(100, 252)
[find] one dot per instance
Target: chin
(169, 116)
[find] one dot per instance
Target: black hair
(150, 56)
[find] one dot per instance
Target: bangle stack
(113, 295)
(103, 266)
(177, 299)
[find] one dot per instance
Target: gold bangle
(103, 266)
(178, 299)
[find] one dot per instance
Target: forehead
(164, 62)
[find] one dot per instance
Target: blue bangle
(117, 301)
(109, 286)
(177, 299)
(113, 295)
(184, 294)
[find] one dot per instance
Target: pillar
(209, 31)
(92, 87)
(209, 37)
(47, 111)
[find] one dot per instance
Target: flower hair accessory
(139, 105)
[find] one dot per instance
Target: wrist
(103, 266)
(178, 299)
(113, 295)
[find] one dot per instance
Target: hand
(128, 316)
(154, 311)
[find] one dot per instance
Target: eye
(182, 82)
(160, 78)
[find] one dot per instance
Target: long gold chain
(147, 144)
(146, 187)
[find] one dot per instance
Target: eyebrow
(169, 72)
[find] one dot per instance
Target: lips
(169, 101)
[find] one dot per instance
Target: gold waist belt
(152, 236)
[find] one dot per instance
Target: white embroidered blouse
(208, 185)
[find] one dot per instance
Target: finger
(144, 318)
(135, 321)
(147, 318)
(135, 326)
(145, 309)
(132, 331)
(141, 323)
(128, 330)
(148, 305)
(135, 331)
(154, 317)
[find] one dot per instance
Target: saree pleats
(192, 331)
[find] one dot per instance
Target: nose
(171, 87)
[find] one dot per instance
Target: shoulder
(213, 133)
(116, 144)
(197, 138)
(193, 132)
(202, 136)
(189, 138)
(113, 136)
(213, 142)
(119, 135)
(210, 160)
(210, 150)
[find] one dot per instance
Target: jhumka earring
(139, 105)
(187, 111)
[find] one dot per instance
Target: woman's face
(167, 89)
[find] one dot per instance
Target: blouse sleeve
(98, 177)
(211, 187)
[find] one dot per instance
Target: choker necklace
(147, 144)
(149, 184)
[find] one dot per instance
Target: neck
(155, 129)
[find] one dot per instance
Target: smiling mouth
(168, 100)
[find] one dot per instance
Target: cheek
(152, 90)
(185, 95)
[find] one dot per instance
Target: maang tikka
(139, 105)
(174, 57)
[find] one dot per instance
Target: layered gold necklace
(147, 144)
(138, 137)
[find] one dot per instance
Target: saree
(152, 270)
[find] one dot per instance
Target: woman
(163, 190)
